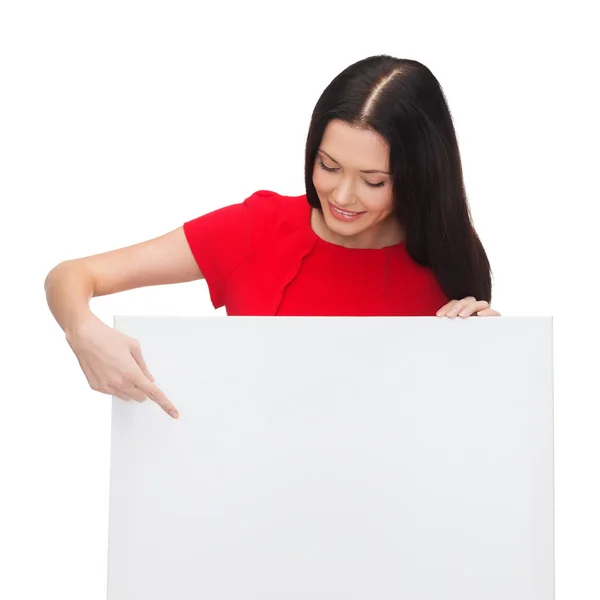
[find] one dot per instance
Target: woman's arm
(71, 284)
(112, 361)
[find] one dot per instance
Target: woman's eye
(332, 170)
(323, 166)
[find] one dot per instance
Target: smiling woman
(351, 193)
(391, 115)
(383, 229)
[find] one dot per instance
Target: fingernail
(151, 376)
(462, 313)
(174, 414)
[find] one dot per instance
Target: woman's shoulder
(276, 203)
(258, 216)
(275, 212)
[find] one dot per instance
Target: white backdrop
(120, 120)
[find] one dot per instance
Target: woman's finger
(488, 312)
(459, 306)
(135, 393)
(156, 394)
(113, 391)
(469, 309)
(136, 352)
(444, 310)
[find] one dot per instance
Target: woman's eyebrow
(366, 171)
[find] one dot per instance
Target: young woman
(383, 230)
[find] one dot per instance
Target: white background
(120, 120)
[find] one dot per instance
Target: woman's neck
(386, 233)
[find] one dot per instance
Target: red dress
(261, 257)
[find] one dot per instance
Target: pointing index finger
(156, 394)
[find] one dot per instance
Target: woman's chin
(344, 229)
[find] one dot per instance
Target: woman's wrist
(78, 323)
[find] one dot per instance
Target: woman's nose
(343, 195)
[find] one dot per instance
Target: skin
(351, 172)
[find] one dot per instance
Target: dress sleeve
(224, 239)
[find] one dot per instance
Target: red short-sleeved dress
(262, 258)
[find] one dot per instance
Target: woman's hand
(113, 363)
(466, 307)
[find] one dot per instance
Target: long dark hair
(403, 101)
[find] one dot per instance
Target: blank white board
(336, 458)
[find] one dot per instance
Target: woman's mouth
(344, 215)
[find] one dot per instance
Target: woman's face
(352, 180)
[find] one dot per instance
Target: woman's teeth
(345, 213)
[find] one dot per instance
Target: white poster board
(336, 458)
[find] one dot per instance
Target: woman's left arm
(466, 307)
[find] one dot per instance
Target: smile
(344, 215)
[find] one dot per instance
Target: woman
(383, 229)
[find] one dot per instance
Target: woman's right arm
(112, 361)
